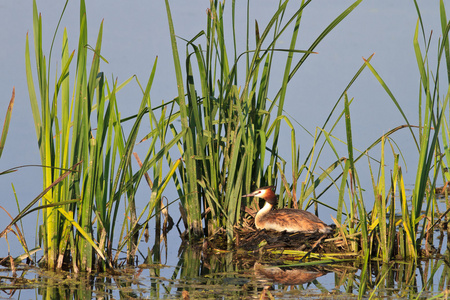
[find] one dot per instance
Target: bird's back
(291, 220)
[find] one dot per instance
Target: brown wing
(293, 220)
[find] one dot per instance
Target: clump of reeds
(80, 213)
(232, 127)
(385, 234)
(231, 138)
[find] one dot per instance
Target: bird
(285, 219)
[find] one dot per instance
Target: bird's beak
(249, 195)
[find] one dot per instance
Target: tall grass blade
(6, 122)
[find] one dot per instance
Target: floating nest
(250, 241)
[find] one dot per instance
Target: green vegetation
(101, 181)
(229, 144)
(6, 122)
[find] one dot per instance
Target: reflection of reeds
(232, 276)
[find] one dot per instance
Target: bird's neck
(265, 210)
(261, 214)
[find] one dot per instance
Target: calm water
(223, 276)
(135, 32)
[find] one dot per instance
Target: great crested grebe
(285, 219)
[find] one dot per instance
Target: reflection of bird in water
(287, 276)
(286, 219)
(185, 295)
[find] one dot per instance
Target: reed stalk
(7, 121)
